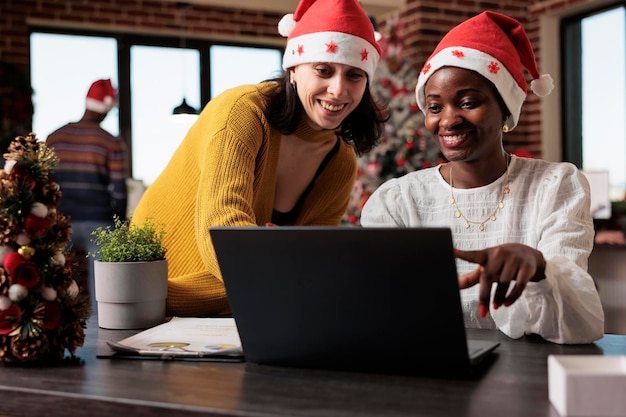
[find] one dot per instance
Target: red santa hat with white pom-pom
(337, 31)
(101, 97)
(497, 47)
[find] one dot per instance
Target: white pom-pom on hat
(543, 85)
(286, 25)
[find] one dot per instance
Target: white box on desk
(587, 385)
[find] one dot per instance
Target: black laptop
(379, 300)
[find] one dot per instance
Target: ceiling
(378, 8)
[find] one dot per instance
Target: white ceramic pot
(130, 295)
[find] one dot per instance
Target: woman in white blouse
(522, 227)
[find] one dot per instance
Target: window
(153, 75)
(154, 94)
(62, 69)
(594, 101)
(230, 66)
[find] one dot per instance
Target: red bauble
(373, 168)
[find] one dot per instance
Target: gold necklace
(492, 217)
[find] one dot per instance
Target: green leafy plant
(129, 242)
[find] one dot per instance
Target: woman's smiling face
(464, 113)
(328, 92)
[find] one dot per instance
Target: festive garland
(42, 311)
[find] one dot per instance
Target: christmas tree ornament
(43, 312)
(373, 168)
(26, 252)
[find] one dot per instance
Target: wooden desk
(514, 385)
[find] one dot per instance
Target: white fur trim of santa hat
(496, 47)
(337, 31)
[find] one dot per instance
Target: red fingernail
(483, 310)
(495, 306)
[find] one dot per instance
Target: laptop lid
(382, 300)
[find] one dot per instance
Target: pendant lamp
(183, 108)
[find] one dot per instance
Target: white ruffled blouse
(548, 208)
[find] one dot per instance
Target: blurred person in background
(92, 173)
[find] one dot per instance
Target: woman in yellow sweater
(280, 152)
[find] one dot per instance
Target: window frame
(127, 40)
(572, 107)
(572, 78)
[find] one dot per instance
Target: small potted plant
(130, 274)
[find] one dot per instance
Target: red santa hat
(101, 96)
(497, 47)
(336, 31)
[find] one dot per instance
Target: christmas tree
(42, 311)
(405, 145)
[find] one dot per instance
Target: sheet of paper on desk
(185, 337)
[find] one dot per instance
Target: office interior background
(161, 52)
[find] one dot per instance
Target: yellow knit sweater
(224, 174)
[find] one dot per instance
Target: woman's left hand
(501, 265)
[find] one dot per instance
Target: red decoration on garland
(35, 227)
(20, 271)
(9, 318)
